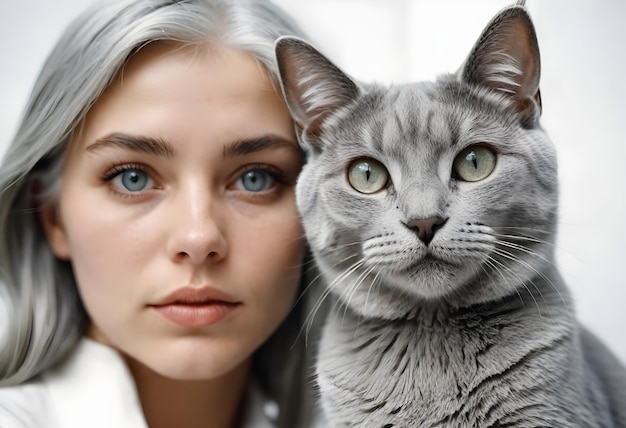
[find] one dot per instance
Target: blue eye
(256, 180)
(132, 180)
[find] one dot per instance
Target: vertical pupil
(473, 159)
(368, 172)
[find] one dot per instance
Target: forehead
(172, 67)
(166, 79)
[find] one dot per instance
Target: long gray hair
(41, 316)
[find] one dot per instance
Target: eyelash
(276, 174)
(116, 170)
(279, 176)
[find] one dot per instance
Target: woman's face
(177, 211)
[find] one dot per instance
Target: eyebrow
(135, 143)
(252, 145)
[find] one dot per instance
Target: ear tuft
(313, 87)
(506, 59)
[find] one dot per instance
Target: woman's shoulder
(26, 405)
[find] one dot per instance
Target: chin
(198, 369)
(433, 279)
(189, 360)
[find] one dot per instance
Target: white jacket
(93, 388)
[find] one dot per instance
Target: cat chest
(425, 362)
(422, 373)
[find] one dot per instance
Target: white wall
(583, 91)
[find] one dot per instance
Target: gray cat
(431, 210)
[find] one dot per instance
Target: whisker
(512, 257)
(533, 240)
(530, 229)
(543, 276)
(337, 248)
(372, 285)
(523, 249)
(309, 320)
(496, 265)
(347, 272)
(351, 290)
(359, 282)
(522, 238)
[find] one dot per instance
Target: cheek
(279, 254)
(105, 252)
(275, 255)
(100, 279)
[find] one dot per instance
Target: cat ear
(506, 59)
(313, 87)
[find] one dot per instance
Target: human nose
(197, 231)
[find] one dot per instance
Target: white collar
(95, 388)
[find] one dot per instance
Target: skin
(189, 220)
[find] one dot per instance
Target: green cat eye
(474, 163)
(367, 176)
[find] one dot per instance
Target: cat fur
(470, 324)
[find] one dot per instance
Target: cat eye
(367, 176)
(474, 163)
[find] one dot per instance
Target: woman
(150, 248)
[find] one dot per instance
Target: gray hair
(44, 317)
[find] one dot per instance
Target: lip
(196, 306)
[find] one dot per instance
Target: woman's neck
(214, 403)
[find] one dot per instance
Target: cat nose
(426, 227)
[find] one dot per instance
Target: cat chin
(431, 279)
(396, 295)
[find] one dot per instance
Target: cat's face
(443, 190)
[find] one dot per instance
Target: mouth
(197, 306)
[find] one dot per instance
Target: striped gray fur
(450, 309)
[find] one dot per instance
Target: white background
(583, 89)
